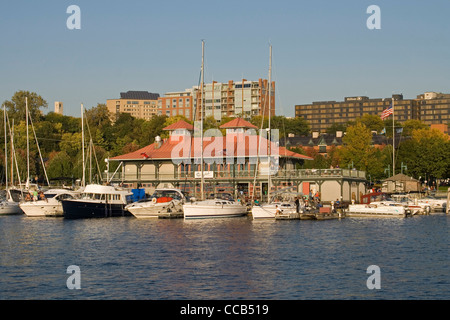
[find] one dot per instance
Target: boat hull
(360, 210)
(37, 209)
(268, 211)
(154, 210)
(194, 211)
(75, 209)
(9, 208)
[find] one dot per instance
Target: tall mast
(28, 146)
(201, 116)
(268, 131)
(393, 138)
(83, 180)
(6, 152)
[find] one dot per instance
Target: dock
(171, 215)
(287, 216)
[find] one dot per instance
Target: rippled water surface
(237, 258)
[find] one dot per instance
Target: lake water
(235, 258)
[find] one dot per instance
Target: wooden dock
(171, 215)
(287, 216)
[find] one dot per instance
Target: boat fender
(154, 200)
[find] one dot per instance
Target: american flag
(386, 112)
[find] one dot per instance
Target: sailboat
(8, 206)
(211, 208)
(274, 207)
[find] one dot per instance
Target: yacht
(98, 201)
(49, 204)
(164, 202)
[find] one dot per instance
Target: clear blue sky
(322, 50)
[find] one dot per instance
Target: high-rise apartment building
(243, 99)
(430, 107)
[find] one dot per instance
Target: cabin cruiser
(48, 203)
(98, 201)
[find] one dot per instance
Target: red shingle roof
(238, 123)
(180, 125)
(213, 147)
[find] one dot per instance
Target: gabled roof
(217, 149)
(181, 124)
(238, 123)
(401, 177)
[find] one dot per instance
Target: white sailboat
(274, 207)
(8, 206)
(213, 208)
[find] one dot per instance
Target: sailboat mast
(201, 117)
(83, 181)
(268, 131)
(6, 151)
(393, 138)
(28, 146)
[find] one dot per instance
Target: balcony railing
(242, 174)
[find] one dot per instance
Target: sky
(322, 50)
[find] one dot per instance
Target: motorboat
(98, 201)
(221, 206)
(48, 204)
(437, 205)
(401, 199)
(164, 202)
(378, 210)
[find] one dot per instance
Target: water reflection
(238, 258)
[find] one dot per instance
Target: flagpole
(393, 138)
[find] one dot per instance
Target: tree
(371, 121)
(357, 148)
(60, 165)
(426, 154)
(410, 125)
(17, 105)
(297, 126)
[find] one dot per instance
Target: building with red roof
(233, 163)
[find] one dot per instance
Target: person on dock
(277, 210)
(297, 204)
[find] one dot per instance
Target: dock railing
(241, 174)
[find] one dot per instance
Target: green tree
(60, 165)
(373, 122)
(426, 154)
(17, 105)
(357, 148)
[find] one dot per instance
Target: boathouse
(236, 163)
